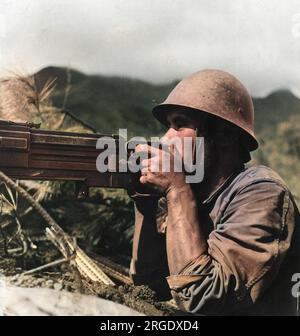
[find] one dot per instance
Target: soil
(97, 222)
(139, 298)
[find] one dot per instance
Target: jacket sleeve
(244, 252)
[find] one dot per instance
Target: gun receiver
(33, 154)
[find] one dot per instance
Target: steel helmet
(215, 92)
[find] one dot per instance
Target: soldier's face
(182, 125)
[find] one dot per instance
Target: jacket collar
(213, 196)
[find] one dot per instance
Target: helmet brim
(160, 113)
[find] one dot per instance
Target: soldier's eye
(181, 124)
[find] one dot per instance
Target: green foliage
(274, 109)
(104, 222)
(281, 151)
(110, 103)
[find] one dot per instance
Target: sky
(156, 40)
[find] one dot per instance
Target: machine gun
(28, 153)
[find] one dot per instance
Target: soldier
(229, 244)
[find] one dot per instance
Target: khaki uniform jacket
(252, 227)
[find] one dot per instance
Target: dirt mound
(139, 298)
(47, 302)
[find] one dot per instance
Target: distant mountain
(110, 103)
(275, 108)
(107, 103)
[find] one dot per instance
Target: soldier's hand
(158, 170)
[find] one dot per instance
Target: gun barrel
(28, 153)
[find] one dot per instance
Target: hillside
(102, 224)
(110, 103)
(107, 103)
